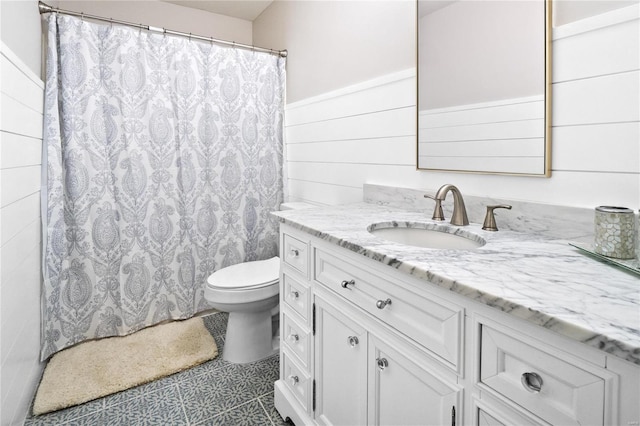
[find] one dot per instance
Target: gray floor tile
(161, 407)
(274, 416)
(248, 414)
(216, 323)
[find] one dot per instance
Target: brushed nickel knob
(382, 363)
(531, 382)
(381, 304)
(353, 341)
(346, 284)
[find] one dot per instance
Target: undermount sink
(426, 235)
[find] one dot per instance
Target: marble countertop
(544, 281)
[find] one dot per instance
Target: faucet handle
(437, 210)
(490, 220)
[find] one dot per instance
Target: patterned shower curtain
(163, 161)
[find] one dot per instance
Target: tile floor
(213, 393)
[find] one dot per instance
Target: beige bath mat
(97, 368)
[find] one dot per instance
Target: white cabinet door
(402, 392)
(341, 368)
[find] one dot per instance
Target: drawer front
(555, 390)
(295, 253)
(297, 296)
(436, 325)
(297, 340)
(297, 380)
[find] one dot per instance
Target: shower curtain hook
(82, 16)
(189, 37)
(111, 22)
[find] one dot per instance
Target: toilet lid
(255, 274)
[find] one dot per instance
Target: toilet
(249, 292)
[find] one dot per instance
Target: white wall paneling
(338, 140)
(366, 132)
(467, 137)
(20, 236)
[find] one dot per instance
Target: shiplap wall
(504, 136)
(20, 235)
(366, 133)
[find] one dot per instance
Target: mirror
(484, 86)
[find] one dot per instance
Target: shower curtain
(163, 159)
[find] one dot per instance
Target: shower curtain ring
(82, 16)
(189, 37)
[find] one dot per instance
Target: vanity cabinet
(363, 379)
(363, 344)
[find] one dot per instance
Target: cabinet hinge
(453, 416)
(313, 320)
(313, 403)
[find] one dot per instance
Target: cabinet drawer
(296, 295)
(553, 389)
(434, 324)
(295, 253)
(296, 338)
(297, 380)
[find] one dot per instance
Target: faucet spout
(459, 216)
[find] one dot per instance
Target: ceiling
(243, 9)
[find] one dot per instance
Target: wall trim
(358, 87)
(20, 65)
(614, 17)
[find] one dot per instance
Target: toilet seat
(247, 275)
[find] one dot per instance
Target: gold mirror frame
(546, 167)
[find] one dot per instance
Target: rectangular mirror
(484, 86)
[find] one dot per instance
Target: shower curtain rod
(44, 8)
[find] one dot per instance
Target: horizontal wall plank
(608, 50)
(18, 150)
(20, 289)
(475, 132)
(393, 150)
(608, 99)
(485, 148)
(598, 147)
(515, 165)
(488, 112)
(353, 175)
(20, 119)
(323, 193)
(17, 248)
(16, 216)
(20, 87)
(389, 92)
(19, 183)
(397, 122)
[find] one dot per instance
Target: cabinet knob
(381, 304)
(294, 338)
(382, 363)
(346, 284)
(295, 253)
(532, 382)
(293, 380)
(353, 341)
(295, 294)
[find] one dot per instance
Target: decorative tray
(630, 265)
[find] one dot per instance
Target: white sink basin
(426, 235)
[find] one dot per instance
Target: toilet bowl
(249, 293)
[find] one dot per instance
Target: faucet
(459, 217)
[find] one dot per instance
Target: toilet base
(249, 337)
